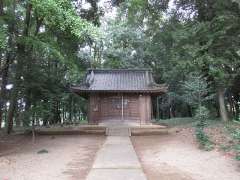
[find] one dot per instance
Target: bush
(238, 152)
(201, 116)
(203, 139)
(236, 135)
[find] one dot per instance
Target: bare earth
(68, 158)
(176, 157)
(167, 157)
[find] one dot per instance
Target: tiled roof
(119, 80)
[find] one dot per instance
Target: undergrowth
(201, 116)
(236, 135)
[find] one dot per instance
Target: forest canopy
(46, 46)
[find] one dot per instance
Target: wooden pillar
(148, 109)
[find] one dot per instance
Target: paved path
(116, 160)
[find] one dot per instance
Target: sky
(110, 12)
(105, 4)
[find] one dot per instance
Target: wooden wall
(137, 108)
(93, 109)
(145, 106)
(131, 112)
(111, 107)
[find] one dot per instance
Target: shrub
(203, 139)
(238, 152)
(201, 116)
(236, 135)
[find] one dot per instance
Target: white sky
(110, 12)
(105, 4)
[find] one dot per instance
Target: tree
(196, 91)
(196, 35)
(40, 43)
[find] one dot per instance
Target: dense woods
(46, 46)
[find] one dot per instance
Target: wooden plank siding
(110, 107)
(145, 108)
(93, 109)
(119, 107)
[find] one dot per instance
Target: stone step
(148, 131)
(118, 131)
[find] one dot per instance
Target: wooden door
(120, 107)
(111, 107)
(131, 107)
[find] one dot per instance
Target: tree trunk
(231, 104)
(27, 108)
(20, 63)
(70, 109)
(1, 7)
(237, 111)
(189, 108)
(14, 95)
(236, 105)
(158, 113)
(222, 107)
(33, 130)
(9, 60)
(3, 91)
(11, 111)
(18, 117)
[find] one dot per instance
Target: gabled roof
(119, 80)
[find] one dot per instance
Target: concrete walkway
(116, 160)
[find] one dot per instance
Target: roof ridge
(129, 69)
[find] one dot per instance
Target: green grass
(187, 121)
(176, 121)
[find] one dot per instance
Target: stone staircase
(136, 131)
(118, 131)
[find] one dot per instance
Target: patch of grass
(236, 134)
(175, 121)
(226, 148)
(43, 151)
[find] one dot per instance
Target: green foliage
(196, 91)
(3, 37)
(123, 45)
(39, 43)
(203, 140)
(43, 151)
(191, 39)
(238, 152)
(201, 116)
(194, 48)
(173, 122)
(236, 136)
(60, 13)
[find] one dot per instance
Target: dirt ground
(176, 157)
(167, 157)
(68, 158)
